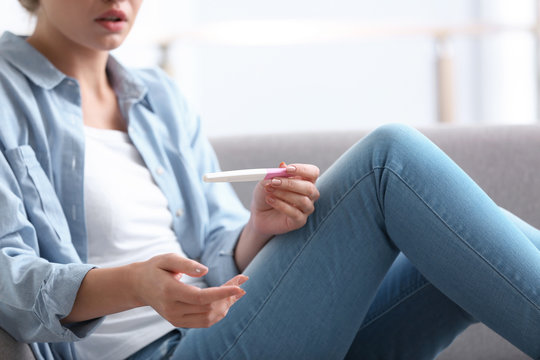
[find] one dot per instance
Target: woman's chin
(111, 42)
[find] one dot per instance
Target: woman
(106, 225)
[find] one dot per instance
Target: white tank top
(127, 220)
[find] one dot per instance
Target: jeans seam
(308, 240)
(398, 302)
(502, 276)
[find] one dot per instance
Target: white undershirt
(127, 220)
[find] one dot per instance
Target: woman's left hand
(283, 204)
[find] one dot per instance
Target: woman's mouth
(113, 20)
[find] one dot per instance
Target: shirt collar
(17, 51)
(125, 84)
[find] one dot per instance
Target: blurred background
(263, 67)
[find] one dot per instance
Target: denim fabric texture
(161, 349)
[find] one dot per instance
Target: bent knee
(395, 141)
(394, 133)
(401, 137)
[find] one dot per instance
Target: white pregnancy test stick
(245, 175)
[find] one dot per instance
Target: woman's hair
(30, 5)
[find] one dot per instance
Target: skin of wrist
(250, 232)
(132, 277)
(249, 244)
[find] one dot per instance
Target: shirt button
(179, 212)
(160, 171)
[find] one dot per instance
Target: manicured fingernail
(239, 296)
(291, 168)
(178, 277)
(200, 269)
(276, 182)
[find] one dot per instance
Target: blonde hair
(30, 5)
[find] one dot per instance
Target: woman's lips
(113, 20)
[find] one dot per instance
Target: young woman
(106, 225)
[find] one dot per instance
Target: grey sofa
(504, 160)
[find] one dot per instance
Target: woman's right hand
(156, 283)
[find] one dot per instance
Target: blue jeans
(402, 253)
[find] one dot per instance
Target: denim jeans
(402, 253)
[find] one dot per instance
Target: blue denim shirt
(43, 242)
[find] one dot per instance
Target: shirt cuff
(56, 298)
(220, 262)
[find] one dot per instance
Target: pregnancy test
(245, 175)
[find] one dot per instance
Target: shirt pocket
(41, 203)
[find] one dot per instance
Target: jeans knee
(394, 138)
(393, 133)
(389, 145)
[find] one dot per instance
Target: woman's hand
(158, 285)
(155, 283)
(281, 205)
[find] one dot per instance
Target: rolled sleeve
(38, 296)
(56, 298)
(219, 257)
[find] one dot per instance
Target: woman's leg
(310, 289)
(532, 233)
(410, 318)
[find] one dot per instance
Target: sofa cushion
(11, 349)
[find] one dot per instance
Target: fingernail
(240, 281)
(276, 181)
(270, 199)
(291, 168)
(200, 270)
(239, 296)
(270, 189)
